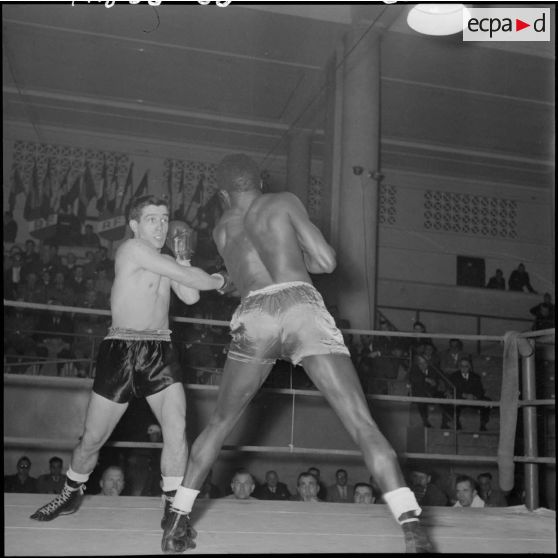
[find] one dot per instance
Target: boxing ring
(128, 525)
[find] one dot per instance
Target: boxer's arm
(148, 258)
(187, 295)
(319, 256)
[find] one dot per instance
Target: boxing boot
(67, 502)
(416, 539)
(168, 498)
(178, 534)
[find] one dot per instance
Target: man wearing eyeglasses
(21, 481)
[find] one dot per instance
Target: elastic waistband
(278, 287)
(125, 334)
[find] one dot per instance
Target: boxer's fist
(181, 239)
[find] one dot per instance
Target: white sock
(400, 501)
(184, 499)
(171, 483)
(77, 477)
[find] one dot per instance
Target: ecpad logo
(507, 24)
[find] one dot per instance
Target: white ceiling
(239, 77)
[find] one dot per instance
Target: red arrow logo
(519, 25)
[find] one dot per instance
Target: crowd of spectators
(117, 478)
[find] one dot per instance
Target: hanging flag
(46, 192)
(102, 197)
(89, 184)
(68, 201)
(113, 188)
(16, 188)
(140, 191)
(60, 194)
(196, 202)
(30, 209)
(169, 188)
(180, 210)
(123, 192)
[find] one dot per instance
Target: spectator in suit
(427, 493)
(30, 257)
(10, 227)
(468, 385)
(52, 482)
(112, 481)
(90, 238)
(32, 289)
(341, 491)
(77, 282)
(273, 489)
(22, 481)
(425, 382)
(493, 497)
(497, 281)
(543, 313)
(467, 496)
(519, 280)
(363, 493)
(13, 276)
(61, 290)
(242, 485)
(449, 359)
(322, 489)
(307, 488)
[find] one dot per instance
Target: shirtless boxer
(136, 358)
(270, 246)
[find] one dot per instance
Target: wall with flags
(48, 185)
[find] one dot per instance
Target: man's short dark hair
(485, 475)
(465, 478)
(365, 485)
(306, 474)
(55, 459)
(137, 204)
(238, 173)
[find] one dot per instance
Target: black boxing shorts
(134, 363)
(287, 321)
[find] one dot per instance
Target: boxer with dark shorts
(135, 364)
(270, 247)
(136, 359)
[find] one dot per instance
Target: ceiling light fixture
(437, 19)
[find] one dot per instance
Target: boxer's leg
(239, 383)
(169, 408)
(101, 418)
(336, 378)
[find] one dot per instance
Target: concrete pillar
(354, 223)
(298, 163)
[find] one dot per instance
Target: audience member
(18, 337)
(77, 282)
(466, 493)
(468, 385)
(307, 488)
(449, 359)
(417, 344)
(89, 237)
(32, 289)
(21, 481)
(497, 281)
(493, 497)
(69, 262)
(13, 276)
(426, 492)
(363, 493)
(425, 382)
(519, 280)
(543, 313)
(143, 466)
(242, 486)
(273, 489)
(208, 489)
(30, 257)
(90, 264)
(112, 481)
(322, 489)
(61, 290)
(103, 283)
(104, 262)
(10, 227)
(341, 491)
(53, 482)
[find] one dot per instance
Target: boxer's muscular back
(263, 244)
(139, 298)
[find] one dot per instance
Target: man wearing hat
(426, 493)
